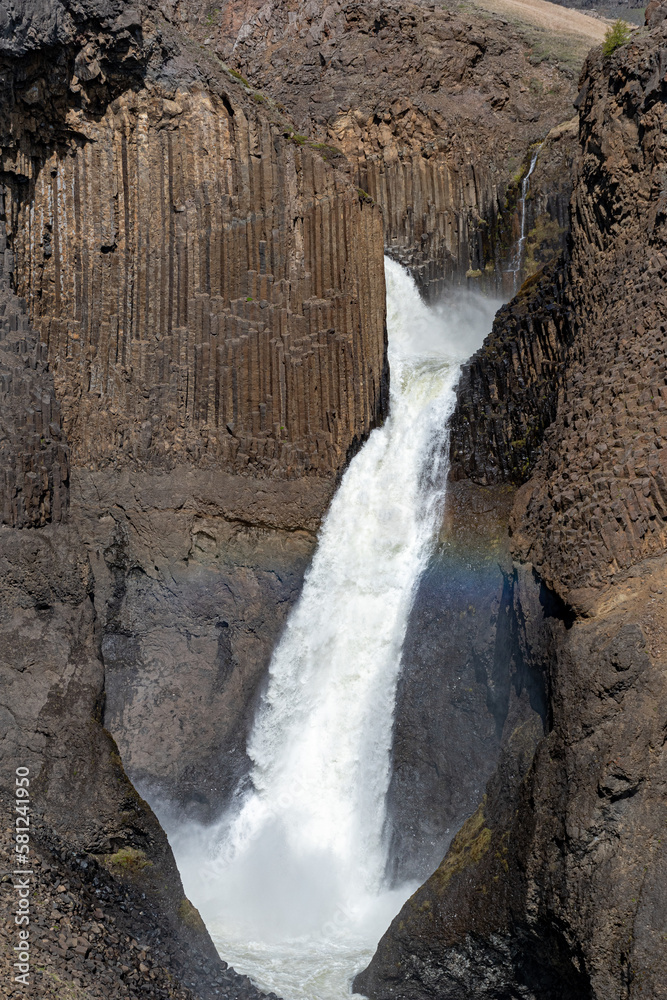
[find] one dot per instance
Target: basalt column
(209, 291)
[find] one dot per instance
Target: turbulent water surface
(290, 882)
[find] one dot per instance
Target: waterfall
(525, 188)
(290, 882)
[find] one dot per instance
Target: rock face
(434, 109)
(464, 685)
(551, 888)
(509, 390)
(34, 456)
(194, 604)
(197, 347)
(81, 800)
(209, 291)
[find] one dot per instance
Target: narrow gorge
(333, 504)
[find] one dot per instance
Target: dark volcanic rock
(33, 454)
(552, 889)
(211, 292)
(92, 935)
(80, 798)
(464, 687)
(509, 390)
(434, 109)
(194, 604)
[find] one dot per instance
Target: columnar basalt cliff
(208, 290)
(433, 108)
(509, 390)
(209, 295)
(555, 887)
(33, 453)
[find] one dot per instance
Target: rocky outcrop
(97, 933)
(435, 110)
(509, 391)
(552, 888)
(85, 814)
(598, 504)
(194, 600)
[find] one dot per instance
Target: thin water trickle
(525, 188)
(290, 882)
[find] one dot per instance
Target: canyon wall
(434, 109)
(464, 686)
(208, 294)
(192, 345)
(553, 888)
(509, 391)
(208, 290)
(96, 850)
(33, 451)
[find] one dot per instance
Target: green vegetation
(617, 35)
(128, 860)
(190, 916)
(468, 847)
(543, 243)
(238, 76)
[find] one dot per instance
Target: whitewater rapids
(291, 881)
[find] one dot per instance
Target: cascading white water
(290, 883)
(525, 187)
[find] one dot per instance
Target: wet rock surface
(509, 391)
(194, 605)
(464, 687)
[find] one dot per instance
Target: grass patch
(543, 243)
(128, 861)
(468, 847)
(190, 916)
(238, 76)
